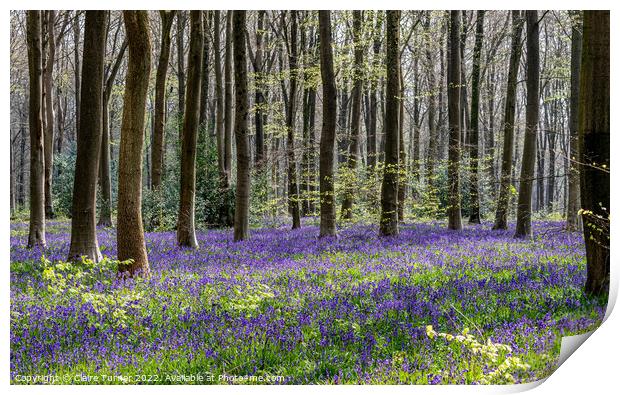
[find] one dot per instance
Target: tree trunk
(130, 233)
(259, 96)
(83, 213)
(572, 219)
(181, 21)
(219, 97)
(228, 98)
(594, 127)
(78, 69)
(389, 188)
(242, 198)
(402, 151)
(186, 232)
(157, 146)
(454, 121)
(328, 132)
(524, 204)
(293, 190)
(356, 112)
(105, 180)
(48, 88)
(36, 232)
(474, 215)
(372, 130)
(433, 135)
(204, 78)
(501, 215)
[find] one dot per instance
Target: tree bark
(228, 98)
(524, 204)
(36, 232)
(219, 97)
(372, 130)
(130, 232)
(105, 180)
(293, 189)
(83, 214)
(259, 96)
(181, 21)
(572, 218)
(157, 146)
(474, 216)
(48, 97)
(328, 132)
(454, 121)
(204, 78)
(186, 232)
(433, 135)
(78, 69)
(389, 187)
(501, 215)
(242, 198)
(594, 118)
(356, 113)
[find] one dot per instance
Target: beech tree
(594, 127)
(36, 232)
(186, 229)
(328, 130)
(524, 205)
(130, 232)
(356, 111)
(293, 189)
(572, 219)
(48, 105)
(242, 198)
(105, 179)
(83, 214)
(474, 194)
(388, 225)
(501, 214)
(454, 121)
(157, 147)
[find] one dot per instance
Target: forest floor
(429, 306)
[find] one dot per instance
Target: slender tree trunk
(259, 96)
(402, 154)
(242, 198)
(78, 69)
(105, 180)
(328, 132)
(21, 175)
(501, 215)
(572, 219)
(181, 21)
(36, 232)
(83, 214)
(389, 188)
(594, 118)
(432, 123)
(130, 233)
(356, 112)
(219, 97)
(454, 121)
(293, 190)
(474, 216)
(204, 78)
(48, 89)
(228, 97)
(186, 232)
(372, 130)
(524, 204)
(157, 146)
